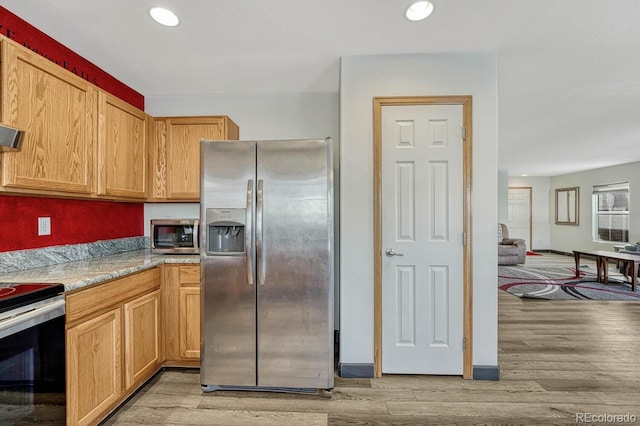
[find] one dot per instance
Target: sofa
(511, 251)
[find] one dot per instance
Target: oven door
(32, 364)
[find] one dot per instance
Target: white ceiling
(568, 70)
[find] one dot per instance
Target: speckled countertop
(80, 273)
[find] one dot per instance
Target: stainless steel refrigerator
(266, 216)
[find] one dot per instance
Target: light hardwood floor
(558, 360)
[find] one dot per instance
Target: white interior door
(519, 214)
(422, 239)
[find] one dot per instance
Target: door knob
(389, 252)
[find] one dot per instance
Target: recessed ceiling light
(419, 10)
(164, 16)
(525, 174)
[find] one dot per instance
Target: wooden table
(602, 264)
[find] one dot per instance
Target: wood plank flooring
(559, 360)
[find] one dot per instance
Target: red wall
(72, 221)
(11, 26)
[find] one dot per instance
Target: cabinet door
(122, 149)
(94, 367)
(141, 338)
(171, 312)
(57, 110)
(183, 153)
(181, 314)
(190, 322)
(157, 160)
(175, 153)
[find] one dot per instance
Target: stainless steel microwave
(177, 236)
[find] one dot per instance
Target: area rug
(560, 283)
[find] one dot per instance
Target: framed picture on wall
(567, 202)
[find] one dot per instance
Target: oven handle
(32, 318)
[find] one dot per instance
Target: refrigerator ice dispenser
(225, 231)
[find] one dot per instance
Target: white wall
(540, 219)
(363, 78)
(567, 237)
(259, 116)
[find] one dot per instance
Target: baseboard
(563, 253)
(362, 371)
(351, 371)
(486, 372)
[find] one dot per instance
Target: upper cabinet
(82, 142)
(58, 111)
(175, 154)
(122, 149)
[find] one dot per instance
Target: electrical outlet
(44, 226)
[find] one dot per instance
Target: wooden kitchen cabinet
(181, 283)
(190, 322)
(82, 142)
(94, 354)
(175, 154)
(141, 338)
(113, 343)
(57, 110)
(122, 149)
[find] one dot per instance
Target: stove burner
(6, 291)
(14, 295)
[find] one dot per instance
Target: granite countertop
(81, 273)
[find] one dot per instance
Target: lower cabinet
(113, 343)
(121, 332)
(182, 319)
(94, 355)
(141, 338)
(190, 322)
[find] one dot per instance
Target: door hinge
(464, 238)
(464, 344)
(464, 133)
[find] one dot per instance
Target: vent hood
(10, 138)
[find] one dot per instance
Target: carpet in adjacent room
(560, 283)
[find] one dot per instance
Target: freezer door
(228, 352)
(294, 235)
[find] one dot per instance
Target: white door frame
(378, 103)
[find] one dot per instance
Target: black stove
(32, 353)
(15, 295)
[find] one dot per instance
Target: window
(611, 212)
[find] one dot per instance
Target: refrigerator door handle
(248, 231)
(259, 240)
